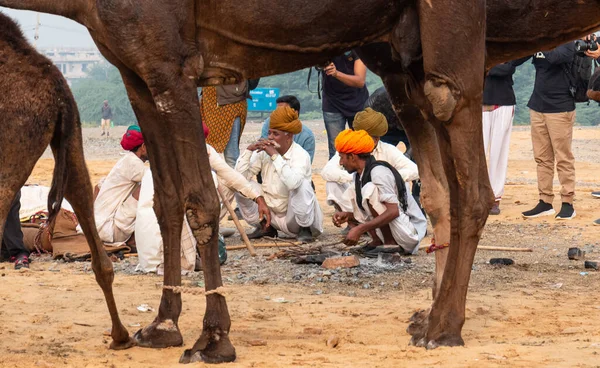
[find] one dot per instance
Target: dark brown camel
(37, 109)
(430, 55)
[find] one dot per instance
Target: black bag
(253, 83)
(579, 73)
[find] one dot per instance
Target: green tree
(103, 83)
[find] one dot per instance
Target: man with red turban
(116, 202)
(378, 196)
(286, 181)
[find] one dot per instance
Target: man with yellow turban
(338, 180)
(286, 181)
(380, 205)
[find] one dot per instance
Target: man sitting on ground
(380, 204)
(117, 197)
(306, 138)
(339, 180)
(286, 173)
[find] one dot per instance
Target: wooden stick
(263, 245)
(500, 249)
(251, 249)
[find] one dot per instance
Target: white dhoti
(407, 229)
(303, 211)
(335, 195)
(497, 126)
(148, 238)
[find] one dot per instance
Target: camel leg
(434, 187)
(182, 181)
(79, 193)
(453, 88)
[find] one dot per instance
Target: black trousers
(12, 239)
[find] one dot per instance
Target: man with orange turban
(117, 197)
(286, 181)
(378, 196)
(338, 180)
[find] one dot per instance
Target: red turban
(132, 138)
(357, 142)
(206, 130)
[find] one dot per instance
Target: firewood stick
(263, 245)
(247, 243)
(501, 249)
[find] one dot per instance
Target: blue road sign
(263, 99)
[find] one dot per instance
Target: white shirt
(410, 227)
(279, 177)
(334, 172)
(116, 188)
(228, 176)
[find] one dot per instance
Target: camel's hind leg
(454, 70)
(79, 194)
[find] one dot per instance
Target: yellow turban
(286, 119)
(357, 142)
(372, 121)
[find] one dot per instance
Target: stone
(333, 341)
(344, 262)
(257, 342)
(595, 265)
(502, 261)
(390, 258)
(575, 254)
(572, 330)
(313, 331)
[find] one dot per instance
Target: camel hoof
(159, 335)
(441, 98)
(218, 350)
(447, 341)
(114, 345)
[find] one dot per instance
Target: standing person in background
(344, 94)
(106, 117)
(224, 110)
(552, 113)
(11, 245)
(498, 112)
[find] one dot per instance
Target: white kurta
(337, 177)
(147, 232)
(286, 188)
(409, 228)
(115, 209)
(497, 126)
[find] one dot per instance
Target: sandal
(21, 261)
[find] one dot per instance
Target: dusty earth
(541, 312)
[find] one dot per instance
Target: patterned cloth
(219, 119)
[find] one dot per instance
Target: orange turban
(357, 142)
(286, 119)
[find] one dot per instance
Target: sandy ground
(541, 312)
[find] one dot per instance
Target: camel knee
(103, 270)
(442, 96)
(203, 220)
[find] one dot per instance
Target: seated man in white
(149, 239)
(338, 180)
(286, 177)
(378, 196)
(116, 202)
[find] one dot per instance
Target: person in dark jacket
(344, 94)
(12, 246)
(106, 117)
(552, 114)
(498, 112)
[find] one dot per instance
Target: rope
(195, 291)
(433, 247)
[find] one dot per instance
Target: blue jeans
(232, 150)
(335, 122)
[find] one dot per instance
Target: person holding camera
(344, 94)
(552, 114)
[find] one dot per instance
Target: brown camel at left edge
(37, 109)
(430, 55)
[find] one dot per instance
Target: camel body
(431, 56)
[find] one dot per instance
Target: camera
(320, 67)
(581, 46)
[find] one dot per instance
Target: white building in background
(74, 63)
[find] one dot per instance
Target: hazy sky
(54, 30)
